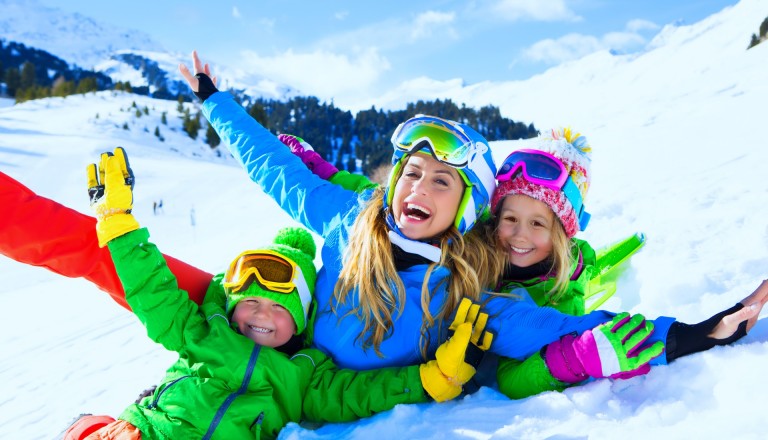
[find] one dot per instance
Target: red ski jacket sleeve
(41, 232)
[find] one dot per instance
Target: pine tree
(753, 42)
(258, 113)
(180, 106)
(28, 76)
(12, 80)
(211, 137)
(164, 119)
(191, 125)
(61, 87)
(764, 28)
(86, 85)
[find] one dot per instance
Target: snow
(678, 154)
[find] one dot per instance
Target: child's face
(264, 321)
(525, 230)
(426, 197)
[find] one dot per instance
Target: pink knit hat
(573, 150)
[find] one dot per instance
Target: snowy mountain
(73, 37)
(122, 54)
(678, 153)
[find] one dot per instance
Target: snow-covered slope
(678, 152)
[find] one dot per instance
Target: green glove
(456, 358)
(110, 188)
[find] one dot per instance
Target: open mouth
(416, 212)
(260, 329)
(520, 251)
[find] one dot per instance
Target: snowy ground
(679, 154)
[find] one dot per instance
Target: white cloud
(341, 15)
(321, 73)
(574, 46)
(433, 23)
(539, 10)
(236, 12)
(568, 47)
(639, 25)
(393, 34)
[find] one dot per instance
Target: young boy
(231, 379)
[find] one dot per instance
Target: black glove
(684, 339)
(206, 87)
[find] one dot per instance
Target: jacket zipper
(153, 404)
(258, 422)
(231, 398)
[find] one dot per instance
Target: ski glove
(110, 188)
(301, 148)
(206, 88)
(457, 358)
(613, 349)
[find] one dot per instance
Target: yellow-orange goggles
(270, 269)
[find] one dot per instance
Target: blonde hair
(369, 271)
(562, 261)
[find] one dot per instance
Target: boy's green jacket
(225, 386)
(519, 379)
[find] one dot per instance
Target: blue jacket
(329, 210)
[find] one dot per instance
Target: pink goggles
(544, 169)
(538, 167)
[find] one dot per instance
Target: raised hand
(202, 87)
(110, 189)
(457, 359)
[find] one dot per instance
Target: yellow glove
(457, 358)
(111, 191)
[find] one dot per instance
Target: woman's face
(525, 230)
(426, 197)
(264, 321)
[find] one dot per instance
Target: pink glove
(613, 349)
(319, 166)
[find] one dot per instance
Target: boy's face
(264, 321)
(525, 230)
(426, 197)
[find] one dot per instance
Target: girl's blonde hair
(562, 261)
(369, 272)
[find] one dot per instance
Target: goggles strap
(573, 195)
(301, 287)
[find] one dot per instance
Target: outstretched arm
(41, 232)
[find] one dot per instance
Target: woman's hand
(753, 304)
(199, 67)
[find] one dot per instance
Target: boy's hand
(110, 188)
(457, 358)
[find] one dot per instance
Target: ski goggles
(444, 140)
(542, 168)
(270, 269)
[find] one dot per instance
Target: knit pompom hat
(573, 150)
(297, 245)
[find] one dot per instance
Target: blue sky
(367, 44)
